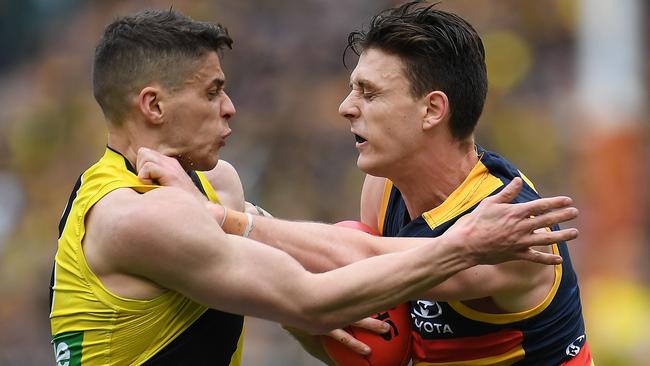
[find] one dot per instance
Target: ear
(151, 105)
(437, 109)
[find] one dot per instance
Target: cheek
(384, 128)
(395, 136)
(206, 120)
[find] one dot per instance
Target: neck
(125, 149)
(126, 140)
(433, 176)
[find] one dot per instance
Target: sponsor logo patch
(574, 347)
(427, 309)
(423, 312)
(68, 348)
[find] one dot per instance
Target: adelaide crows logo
(427, 309)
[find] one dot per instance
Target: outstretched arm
(507, 231)
(504, 231)
(322, 247)
(168, 237)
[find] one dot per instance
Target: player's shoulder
(124, 220)
(372, 195)
(123, 208)
(224, 177)
(223, 173)
(374, 183)
(131, 233)
(226, 182)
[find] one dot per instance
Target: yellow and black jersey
(92, 326)
(453, 334)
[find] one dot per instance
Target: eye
(213, 93)
(368, 95)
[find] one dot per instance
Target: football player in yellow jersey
(146, 263)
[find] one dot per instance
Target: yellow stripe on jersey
(472, 194)
(506, 359)
(478, 185)
(528, 181)
(209, 190)
(388, 186)
(236, 358)
(512, 317)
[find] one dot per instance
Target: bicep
(173, 242)
(472, 283)
(508, 284)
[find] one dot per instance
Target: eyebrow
(219, 82)
(364, 83)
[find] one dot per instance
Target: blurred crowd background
(567, 103)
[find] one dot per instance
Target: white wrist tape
(249, 225)
(225, 215)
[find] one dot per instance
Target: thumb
(509, 192)
(140, 158)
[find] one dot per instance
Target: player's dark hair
(153, 45)
(440, 51)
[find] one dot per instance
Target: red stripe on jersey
(583, 358)
(466, 348)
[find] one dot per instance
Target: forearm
(403, 275)
(278, 288)
(318, 247)
(321, 247)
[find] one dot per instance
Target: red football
(390, 349)
(357, 225)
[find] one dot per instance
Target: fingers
(349, 341)
(544, 238)
(149, 156)
(354, 344)
(373, 325)
(155, 167)
(145, 155)
(542, 205)
(148, 173)
(551, 218)
(539, 257)
(508, 193)
(548, 237)
(147, 165)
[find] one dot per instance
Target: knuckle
(541, 206)
(547, 221)
(550, 238)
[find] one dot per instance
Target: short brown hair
(151, 45)
(440, 51)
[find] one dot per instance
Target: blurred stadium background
(567, 103)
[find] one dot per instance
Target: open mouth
(359, 139)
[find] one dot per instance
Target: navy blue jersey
(452, 333)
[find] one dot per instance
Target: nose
(347, 109)
(227, 108)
